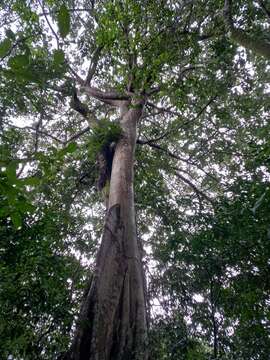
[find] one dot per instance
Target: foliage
(224, 263)
(14, 204)
(103, 135)
(40, 275)
(37, 283)
(63, 19)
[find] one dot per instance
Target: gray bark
(112, 323)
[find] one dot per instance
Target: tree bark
(112, 323)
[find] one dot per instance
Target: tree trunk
(112, 323)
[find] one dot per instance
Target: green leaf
(10, 34)
(32, 181)
(25, 207)
(8, 191)
(11, 171)
(71, 147)
(4, 211)
(16, 219)
(5, 46)
(28, 75)
(19, 61)
(63, 20)
(68, 149)
(58, 57)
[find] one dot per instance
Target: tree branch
(78, 135)
(111, 98)
(49, 24)
(265, 9)
(167, 110)
(77, 77)
(93, 65)
(162, 109)
(209, 102)
(194, 187)
(147, 142)
(158, 147)
(41, 132)
(258, 46)
(176, 157)
(78, 106)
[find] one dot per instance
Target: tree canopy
(201, 168)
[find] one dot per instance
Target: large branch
(78, 106)
(83, 109)
(110, 97)
(258, 46)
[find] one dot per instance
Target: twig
(41, 132)
(162, 109)
(79, 134)
(174, 156)
(193, 186)
(49, 24)
(77, 77)
(263, 6)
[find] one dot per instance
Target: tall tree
(162, 69)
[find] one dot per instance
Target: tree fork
(112, 323)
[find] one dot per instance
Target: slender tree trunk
(112, 323)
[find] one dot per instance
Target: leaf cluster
(103, 135)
